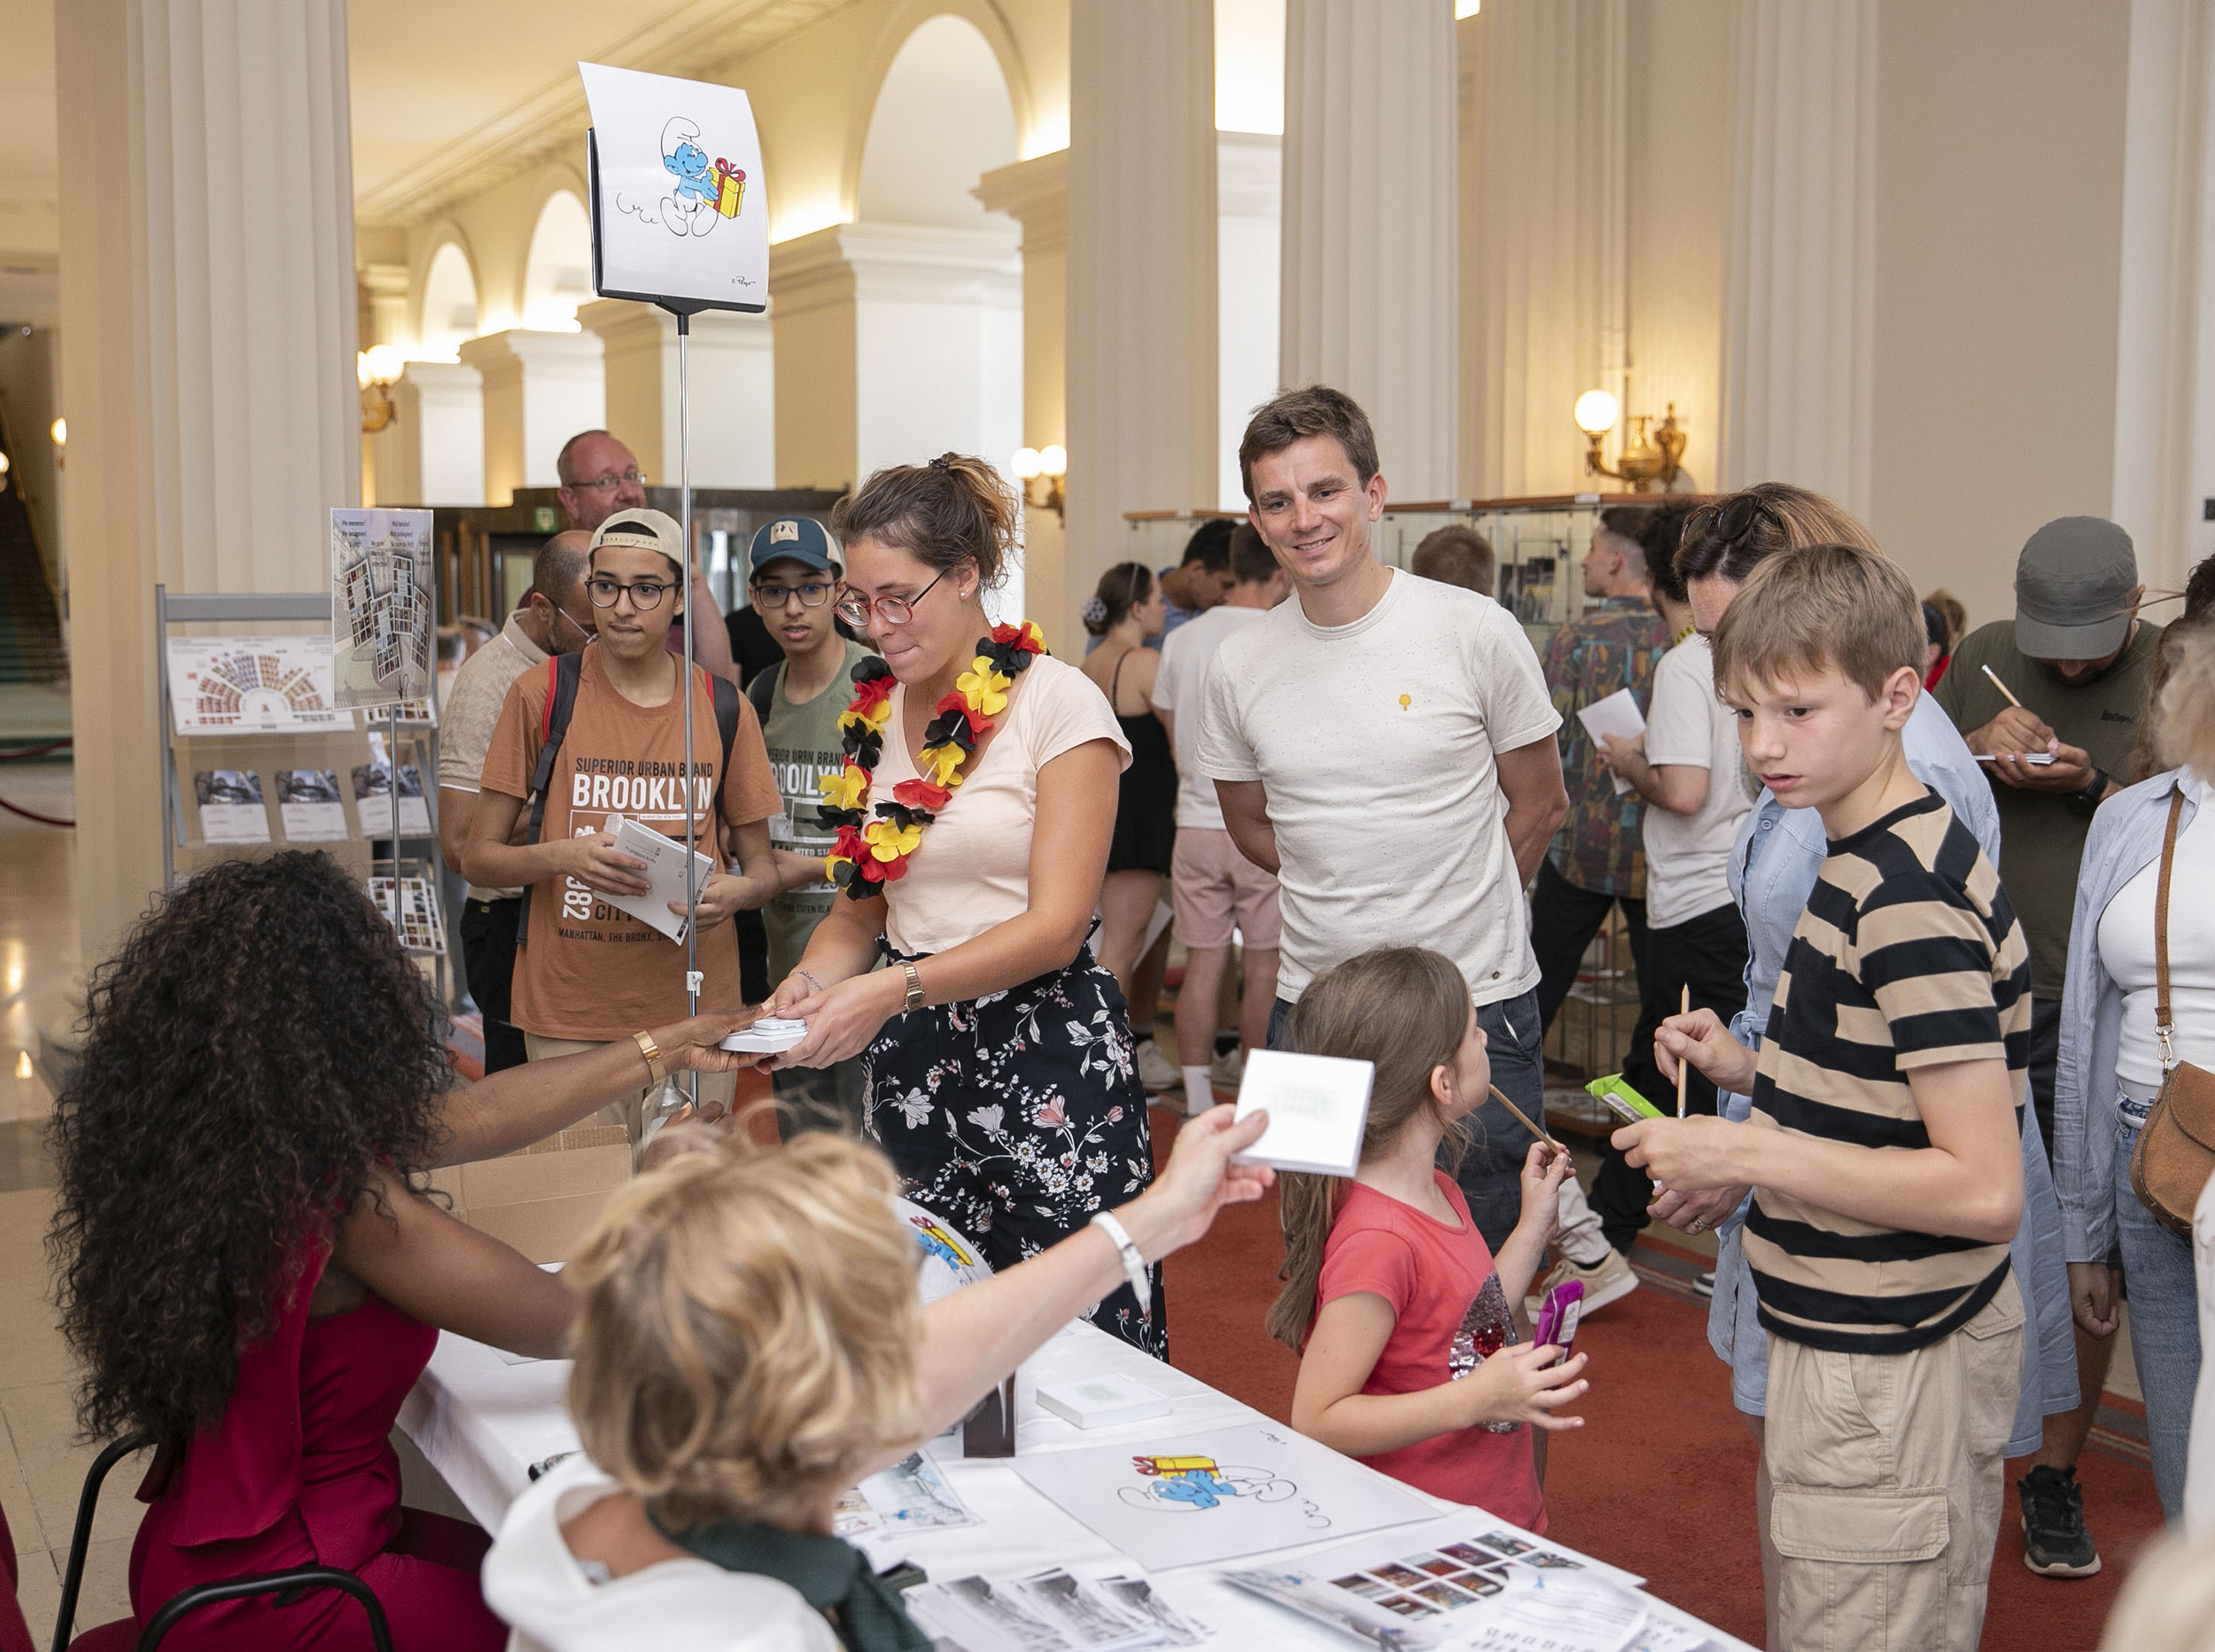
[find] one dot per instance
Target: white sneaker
(1158, 1073)
(1604, 1281)
(1227, 1070)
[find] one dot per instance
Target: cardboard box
(541, 1198)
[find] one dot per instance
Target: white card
(664, 871)
(1317, 1108)
(1618, 715)
(767, 1036)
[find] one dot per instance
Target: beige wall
(1998, 223)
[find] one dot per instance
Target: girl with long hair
(1410, 1358)
(974, 814)
(250, 1267)
(1127, 609)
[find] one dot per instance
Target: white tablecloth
(481, 1420)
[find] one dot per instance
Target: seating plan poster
(250, 685)
(380, 606)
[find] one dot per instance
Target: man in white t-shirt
(1362, 739)
(1687, 766)
(1215, 889)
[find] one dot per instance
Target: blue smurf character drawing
(691, 209)
(1197, 1483)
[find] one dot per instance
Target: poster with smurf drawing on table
(678, 215)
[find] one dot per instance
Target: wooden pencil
(2003, 688)
(1683, 1007)
(1524, 1118)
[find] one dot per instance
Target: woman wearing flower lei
(973, 813)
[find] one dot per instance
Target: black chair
(288, 1586)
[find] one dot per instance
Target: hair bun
(1094, 614)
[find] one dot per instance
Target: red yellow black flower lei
(871, 853)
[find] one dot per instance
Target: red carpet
(1660, 1479)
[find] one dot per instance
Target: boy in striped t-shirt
(1884, 1145)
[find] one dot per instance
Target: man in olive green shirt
(2076, 656)
(794, 581)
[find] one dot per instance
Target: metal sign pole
(692, 627)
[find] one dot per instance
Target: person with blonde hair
(1773, 867)
(750, 1343)
(1884, 1143)
(2113, 1053)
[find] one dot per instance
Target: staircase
(30, 624)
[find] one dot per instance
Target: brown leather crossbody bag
(2175, 1154)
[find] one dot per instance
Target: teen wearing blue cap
(795, 572)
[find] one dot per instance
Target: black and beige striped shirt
(1910, 955)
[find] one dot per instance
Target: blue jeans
(2165, 1320)
(1490, 1172)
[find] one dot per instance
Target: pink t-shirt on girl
(1449, 1314)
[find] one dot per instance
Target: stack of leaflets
(1051, 1611)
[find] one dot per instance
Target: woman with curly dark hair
(249, 1265)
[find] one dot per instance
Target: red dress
(301, 1472)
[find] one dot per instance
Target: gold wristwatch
(914, 988)
(655, 1071)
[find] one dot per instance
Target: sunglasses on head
(1731, 520)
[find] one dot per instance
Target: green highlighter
(1620, 1100)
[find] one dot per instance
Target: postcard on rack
(308, 803)
(1618, 715)
(664, 871)
(1318, 1106)
(230, 806)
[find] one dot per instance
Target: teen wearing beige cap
(2075, 659)
(587, 973)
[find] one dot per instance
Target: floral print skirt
(1018, 1115)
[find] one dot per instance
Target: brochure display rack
(259, 758)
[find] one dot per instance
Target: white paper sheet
(380, 606)
(1212, 1497)
(664, 859)
(230, 806)
(308, 803)
(1317, 1108)
(1618, 715)
(678, 206)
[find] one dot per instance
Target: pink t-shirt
(973, 868)
(1449, 1314)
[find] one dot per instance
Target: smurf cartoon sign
(678, 215)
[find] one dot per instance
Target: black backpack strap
(763, 692)
(562, 672)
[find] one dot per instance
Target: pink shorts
(1213, 888)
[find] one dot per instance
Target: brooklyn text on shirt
(625, 786)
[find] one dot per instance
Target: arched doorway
(557, 274)
(938, 320)
(449, 306)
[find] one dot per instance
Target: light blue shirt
(2125, 839)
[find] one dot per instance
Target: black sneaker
(1704, 1283)
(2055, 1541)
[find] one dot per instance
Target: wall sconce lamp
(375, 369)
(1047, 465)
(59, 431)
(4, 473)
(1645, 460)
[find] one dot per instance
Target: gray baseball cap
(2072, 590)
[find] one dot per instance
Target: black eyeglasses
(812, 593)
(645, 593)
(855, 609)
(601, 485)
(1732, 520)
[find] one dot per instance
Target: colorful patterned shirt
(1615, 644)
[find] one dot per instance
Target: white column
(209, 305)
(1799, 316)
(433, 451)
(1544, 238)
(733, 391)
(1369, 237)
(895, 343)
(1249, 211)
(541, 389)
(1142, 358)
(1036, 194)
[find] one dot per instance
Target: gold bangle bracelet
(655, 1071)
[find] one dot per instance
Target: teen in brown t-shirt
(587, 971)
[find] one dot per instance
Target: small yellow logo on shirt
(1406, 701)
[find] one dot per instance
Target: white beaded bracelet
(1133, 1264)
